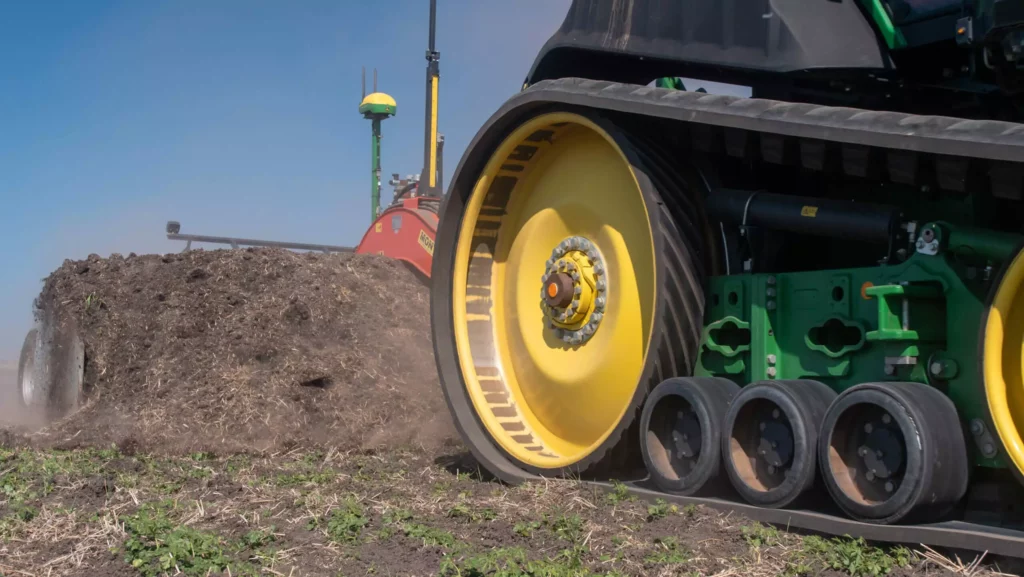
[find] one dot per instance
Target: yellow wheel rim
(547, 402)
(1003, 362)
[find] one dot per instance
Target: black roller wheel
(681, 427)
(892, 452)
(770, 443)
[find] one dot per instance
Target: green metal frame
(918, 320)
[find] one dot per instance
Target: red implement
(405, 231)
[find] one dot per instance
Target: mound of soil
(251, 350)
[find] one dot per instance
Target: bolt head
(771, 469)
(771, 305)
(771, 359)
(936, 368)
(863, 451)
(776, 414)
(771, 280)
(890, 370)
(771, 371)
(977, 427)
(868, 428)
(596, 317)
(988, 449)
(886, 419)
(870, 476)
(762, 426)
(770, 292)
(889, 487)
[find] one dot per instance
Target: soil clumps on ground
(253, 350)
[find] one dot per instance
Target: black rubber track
(991, 140)
(679, 306)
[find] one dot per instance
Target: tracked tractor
(806, 305)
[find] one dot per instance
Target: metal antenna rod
(428, 179)
(364, 84)
(375, 80)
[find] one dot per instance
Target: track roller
(891, 452)
(681, 432)
(771, 437)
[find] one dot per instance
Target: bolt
(775, 445)
(889, 487)
(936, 368)
(762, 426)
(770, 292)
(870, 475)
(771, 305)
(879, 454)
(596, 317)
(771, 371)
(601, 285)
(775, 413)
(988, 449)
(771, 359)
(868, 428)
(599, 303)
(977, 427)
(771, 469)
(863, 451)
(577, 290)
(598, 268)
(686, 437)
(886, 418)
(920, 244)
(761, 452)
(771, 280)
(890, 370)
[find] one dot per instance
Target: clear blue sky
(235, 117)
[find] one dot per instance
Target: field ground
(102, 512)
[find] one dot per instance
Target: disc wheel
(31, 390)
(770, 444)
(891, 452)
(1002, 341)
(574, 286)
(681, 425)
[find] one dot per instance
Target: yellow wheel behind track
(1003, 361)
(572, 292)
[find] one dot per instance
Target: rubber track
(985, 139)
(988, 139)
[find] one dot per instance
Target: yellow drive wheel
(1003, 360)
(572, 290)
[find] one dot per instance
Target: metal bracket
(983, 439)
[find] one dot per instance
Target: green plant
(430, 536)
(758, 535)
(526, 529)
(853, 556)
(619, 493)
(659, 510)
(667, 552)
(346, 522)
(157, 546)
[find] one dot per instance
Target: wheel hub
(686, 435)
(574, 293)
(881, 451)
(775, 446)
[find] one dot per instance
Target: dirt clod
(253, 350)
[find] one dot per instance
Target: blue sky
(235, 117)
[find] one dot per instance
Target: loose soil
(324, 514)
(255, 350)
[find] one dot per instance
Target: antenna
(364, 84)
(375, 80)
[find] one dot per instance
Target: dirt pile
(249, 350)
